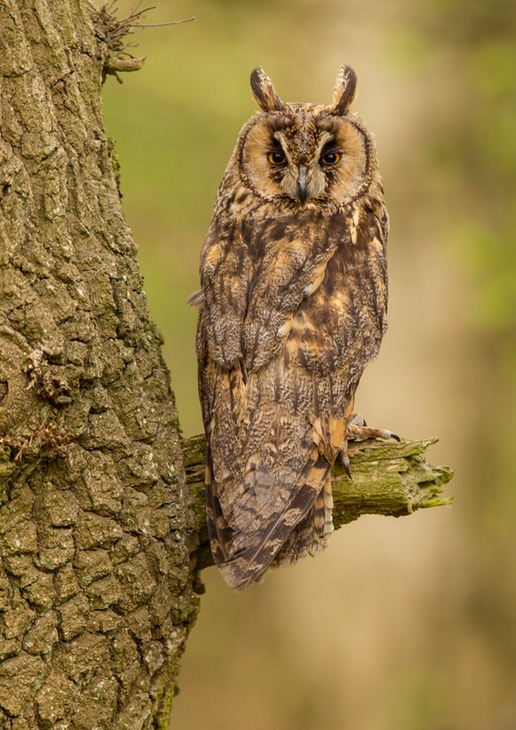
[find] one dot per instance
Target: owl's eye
(330, 158)
(277, 157)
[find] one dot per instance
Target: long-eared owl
(292, 307)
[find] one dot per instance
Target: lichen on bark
(96, 528)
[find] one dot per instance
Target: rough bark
(388, 478)
(96, 531)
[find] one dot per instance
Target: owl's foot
(358, 430)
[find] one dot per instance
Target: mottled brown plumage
(292, 307)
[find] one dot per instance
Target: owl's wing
(264, 469)
(225, 283)
(276, 421)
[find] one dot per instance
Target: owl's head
(306, 153)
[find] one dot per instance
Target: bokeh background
(405, 624)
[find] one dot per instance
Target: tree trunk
(96, 529)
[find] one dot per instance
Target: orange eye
(277, 157)
(331, 158)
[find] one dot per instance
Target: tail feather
(255, 552)
(219, 532)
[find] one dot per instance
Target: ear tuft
(263, 91)
(345, 90)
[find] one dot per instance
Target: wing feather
(225, 281)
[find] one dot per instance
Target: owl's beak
(302, 184)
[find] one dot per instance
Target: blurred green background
(402, 624)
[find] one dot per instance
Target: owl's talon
(345, 463)
(344, 458)
(357, 419)
(358, 430)
(386, 434)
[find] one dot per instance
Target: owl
(291, 309)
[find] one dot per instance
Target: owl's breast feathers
(294, 308)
